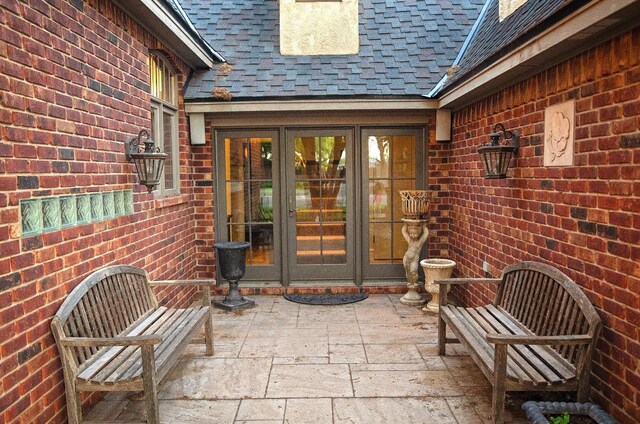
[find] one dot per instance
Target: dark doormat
(326, 299)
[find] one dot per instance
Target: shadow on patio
(370, 362)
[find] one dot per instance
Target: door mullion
(283, 198)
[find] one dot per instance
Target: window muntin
(249, 195)
(163, 79)
(392, 167)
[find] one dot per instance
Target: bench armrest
(467, 281)
(149, 339)
(205, 286)
(525, 339)
(206, 283)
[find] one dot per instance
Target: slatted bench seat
(538, 335)
(113, 336)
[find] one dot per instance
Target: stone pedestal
(435, 269)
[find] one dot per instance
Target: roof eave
(567, 38)
(312, 105)
(155, 16)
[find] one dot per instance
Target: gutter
(583, 29)
(434, 92)
(183, 15)
(168, 25)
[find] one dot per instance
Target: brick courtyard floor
(370, 362)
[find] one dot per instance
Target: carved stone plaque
(559, 125)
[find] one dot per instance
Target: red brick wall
(203, 205)
(439, 160)
(583, 219)
(73, 84)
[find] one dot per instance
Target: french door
(310, 211)
(319, 222)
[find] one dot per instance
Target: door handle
(292, 206)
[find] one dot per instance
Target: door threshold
(316, 287)
(324, 283)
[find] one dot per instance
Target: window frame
(164, 105)
(394, 269)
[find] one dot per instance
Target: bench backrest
(104, 304)
(549, 303)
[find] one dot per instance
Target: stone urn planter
(415, 203)
(435, 269)
(537, 411)
(232, 261)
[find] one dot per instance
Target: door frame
(423, 120)
(255, 272)
(301, 273)
(393, 270)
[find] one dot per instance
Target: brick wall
(203, 205)
(583, 219)
(73, 84)
(439, 162)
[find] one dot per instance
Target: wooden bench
(538, 335)
(113, 336)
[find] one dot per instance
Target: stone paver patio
(370, 362)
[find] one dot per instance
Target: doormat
(326, 299)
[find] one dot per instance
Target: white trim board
(310, 105)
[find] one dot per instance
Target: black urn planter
(232, 262)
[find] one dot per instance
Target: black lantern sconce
(149, 162)
(496, 157)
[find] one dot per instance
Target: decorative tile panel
(31, 211)
(68, 211)
(128, 202)
(108, 205)
(97, 210)
(83, 207)
(118, 203)
(53, 213)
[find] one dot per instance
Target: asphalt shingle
(493, 38)
(405, 48)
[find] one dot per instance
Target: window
(164, 120)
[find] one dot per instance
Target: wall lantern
(149, 163)
(496, 157)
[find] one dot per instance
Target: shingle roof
(405, 48)
(188, 26)
(493, 39)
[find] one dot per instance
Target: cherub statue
(415, 235)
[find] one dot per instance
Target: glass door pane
(247, 210)
(320, 223)
(393, 160)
